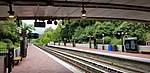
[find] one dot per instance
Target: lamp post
(73, 42)
(59, 42)
(65, 41)
(103, 42)
(95, 43)
(121, 34)
(90, 43)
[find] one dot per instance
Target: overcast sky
(39, 30)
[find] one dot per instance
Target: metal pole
(103, 42)
(59, 42)
(90, 46)
(95, 43)
(122, 44)
(73, 42)
(64, 41)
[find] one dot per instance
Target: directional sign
(39, 24)
(33, 35)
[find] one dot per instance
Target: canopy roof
(138, 10)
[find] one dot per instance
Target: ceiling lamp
(11, 14)
(62, 21)
(49, 21)
(55, 22)
(83, 15)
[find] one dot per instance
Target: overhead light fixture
(35, 19)
(62, 21)
(69, 22)
(83, 15)
(55, 22)
(11, 14)
(49, 21)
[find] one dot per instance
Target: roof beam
(101, 5)
(88, 18)
(76, 4)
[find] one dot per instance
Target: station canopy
(137, 10)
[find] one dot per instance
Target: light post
(59, 42)
(65, 41)
(103, 42)
(73, 42)
(121, 35)
(90, 43)
(95, 43)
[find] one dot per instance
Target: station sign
(39, 24)
(33, 35)
(148, 43)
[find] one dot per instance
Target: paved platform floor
(38, 62)
(113, 52)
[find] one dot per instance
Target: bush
(16, 45)
(7, 41)
(3, 46)
(107, 40)
(116, 41)
(99, 41)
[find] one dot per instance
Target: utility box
(131, 44)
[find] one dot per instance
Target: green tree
(50, 35)
(57, 33)
(106, 27)
(79, 34)
(28, 27)
(134, 30)
(8, 30)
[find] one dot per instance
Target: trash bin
(110, 48)
(114, 48)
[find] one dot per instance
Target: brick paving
(38, 62)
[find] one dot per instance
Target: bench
(144, 51)
(17, 59)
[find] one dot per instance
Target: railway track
(86, 64)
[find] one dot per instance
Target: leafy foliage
(28, 27)
(8, 30)
(3, 46)
(80, 29)
(50, 35)
(134, 30)
(107, 40)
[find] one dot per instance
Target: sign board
(148, 43)
(33, 35)
(131, 44)
(39, 24)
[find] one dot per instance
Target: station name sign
(39, 24)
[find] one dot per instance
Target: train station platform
(118, 54)
(39, 61)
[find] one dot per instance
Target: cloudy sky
(39, 30)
